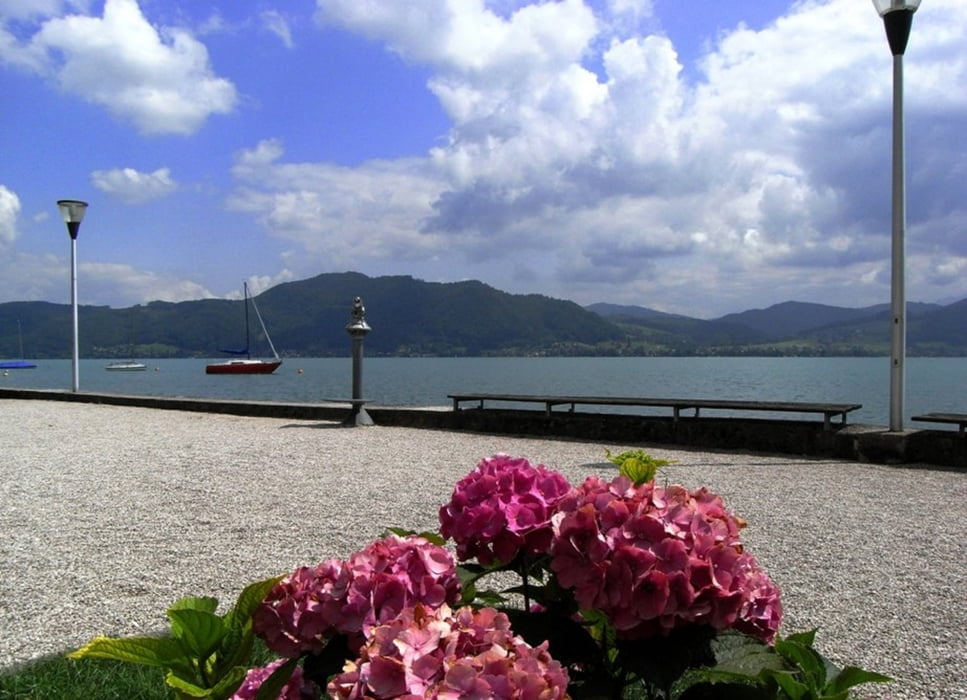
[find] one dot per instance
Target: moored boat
(247, 365)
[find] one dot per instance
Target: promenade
(108, 514)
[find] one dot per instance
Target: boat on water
(126, 366)
(21, 363)
(247, 364)
(130, 365)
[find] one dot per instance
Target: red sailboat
(247, 365)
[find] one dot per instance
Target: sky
(689, 156)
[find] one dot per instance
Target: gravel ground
(109, 514)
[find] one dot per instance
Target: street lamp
(897, 18)
(73, 212)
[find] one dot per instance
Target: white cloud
(158, 79)
(580, 150)
(277, 23)
(133, 187)
(9, 209)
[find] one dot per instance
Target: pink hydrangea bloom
(311, 605)
(398, 572)
(447, 654)
(653, 558)
(305, 609)
(501, 508)
(297, 687)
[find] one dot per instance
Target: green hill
(411, 317)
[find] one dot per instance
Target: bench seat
(958, 419)
(829, 410)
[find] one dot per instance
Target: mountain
(799, 328)
(410, 317)
(308, 318)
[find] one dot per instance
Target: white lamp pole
(897, 19)
(73, 212)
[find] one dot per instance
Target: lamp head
(897, 19)
(884, 7)
(72, 211)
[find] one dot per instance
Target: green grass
(60, 678)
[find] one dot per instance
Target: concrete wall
(863, 443)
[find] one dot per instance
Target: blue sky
(693, 157)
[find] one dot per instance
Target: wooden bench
(958, 419)
(829, 410)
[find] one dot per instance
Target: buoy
(299, 371)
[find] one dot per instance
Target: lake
(932, 384)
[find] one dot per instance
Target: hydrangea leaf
(199, 630)
(148, 651)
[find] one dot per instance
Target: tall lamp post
(897, 18)
(73, 212)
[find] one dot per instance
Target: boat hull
(17, 364)
(243, 367)
(126, 367)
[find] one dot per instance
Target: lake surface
(932, 384)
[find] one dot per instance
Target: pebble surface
(109, 514)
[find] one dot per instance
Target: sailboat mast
(248, 346)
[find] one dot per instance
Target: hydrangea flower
(305, 609)
(398, 572)
(654, 558)
(297, 687)
(311, 605)
(502, 508)
(424, 653)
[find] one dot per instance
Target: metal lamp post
(897, 18)
(73, 212)
(357, 329)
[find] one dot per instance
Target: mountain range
(411, 317)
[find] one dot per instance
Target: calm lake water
(932, 384)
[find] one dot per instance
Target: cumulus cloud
(133, 187)
(9, 209)
(105, 283)
(580, 153)
(159, 79)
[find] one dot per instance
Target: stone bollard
(358, 328)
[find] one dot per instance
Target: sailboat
(21, 363)
(247, 365)
(130, 365)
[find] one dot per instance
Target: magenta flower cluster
(313, 604)
(654, 558)
(502, 508)
(296, 688)
(426, 653)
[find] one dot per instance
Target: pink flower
(442, 653)
(305, 609)
(502, 508)
(311, 605)
(398, 572)
(297, 687)
(654, 558)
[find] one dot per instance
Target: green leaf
(199, 630)
(809, 662)
(637, 465)
(148, 651)
(804, 638)
(250, 598)
(790, 686)
(850, 676)
(701, 683)
(203, 603)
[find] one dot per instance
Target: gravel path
(109, 514)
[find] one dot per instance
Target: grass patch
(59, 678)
